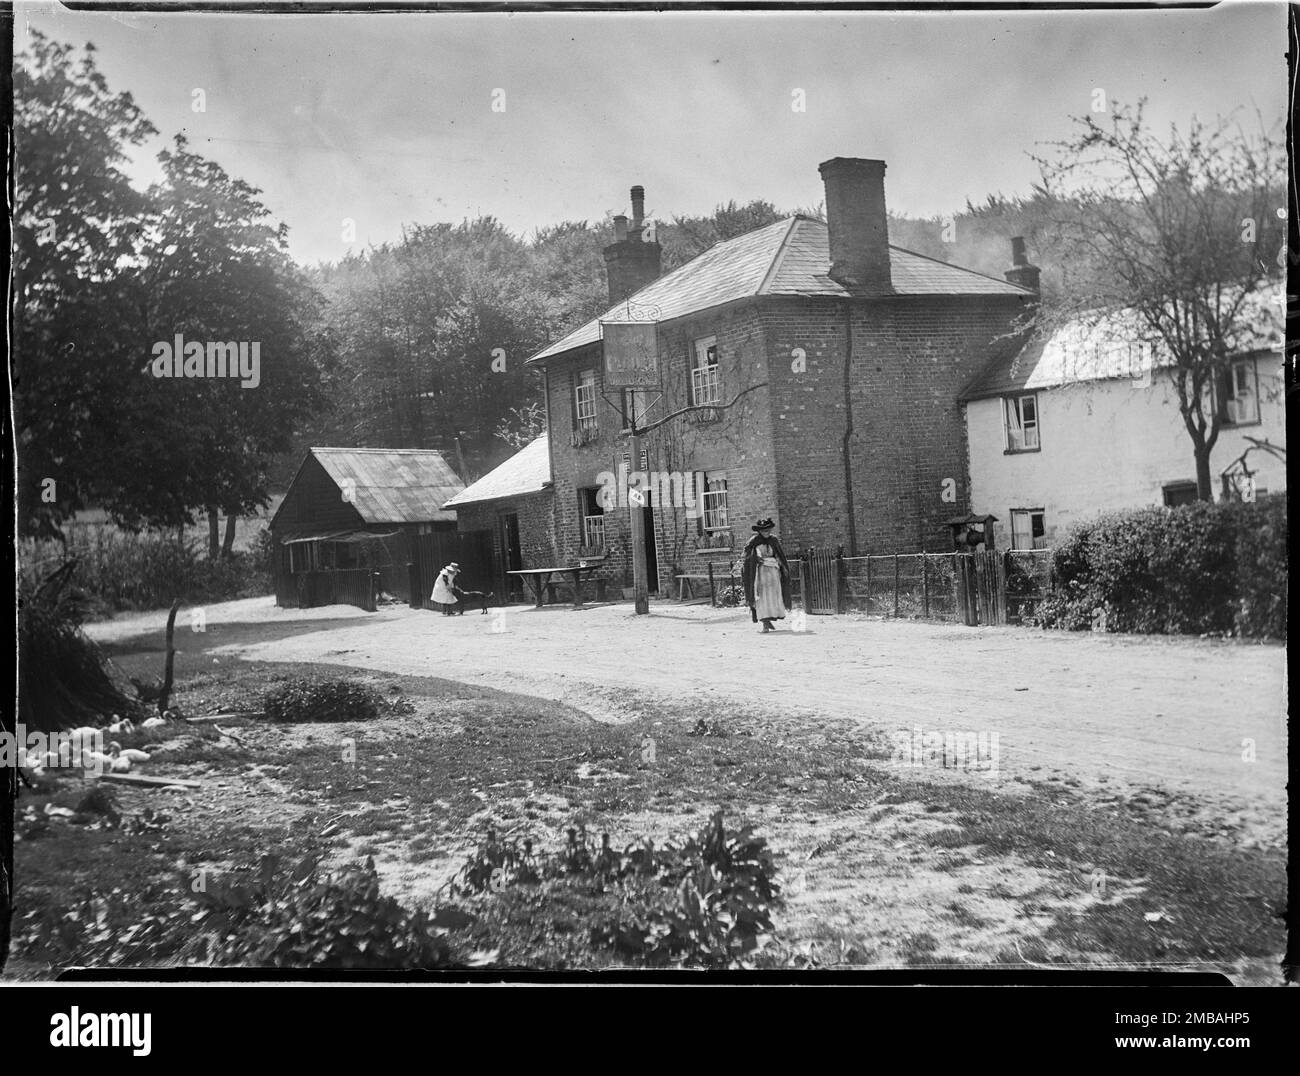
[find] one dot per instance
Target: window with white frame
(714, 522)
(706, 381)
(1239, 394)
(584, 402)
(1021, 414)
(1027, 529)
(592, 517)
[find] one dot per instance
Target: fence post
(866, 608)
(925, 591)
(839, 581)
(713, 601)
(895, 584)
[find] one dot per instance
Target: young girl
(444, 592)
(766, 576)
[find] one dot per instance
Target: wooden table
(540, 578)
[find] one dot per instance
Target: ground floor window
(714, 522)
(591, 517)
(1176, 493)
(1027, 529)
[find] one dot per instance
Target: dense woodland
(394, 345)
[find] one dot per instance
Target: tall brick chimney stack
(1021, 272)
(855, 217)
(630, 262)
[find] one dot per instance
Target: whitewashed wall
(1107, 445)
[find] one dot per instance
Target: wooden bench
(688, 581)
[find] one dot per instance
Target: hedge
(1203, 568)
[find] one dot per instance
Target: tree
(215, 271)
(77, 225)
(1179, 234)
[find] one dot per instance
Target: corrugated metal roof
(527, 471)
(394, 485)
(1114, 345)
(790, 257)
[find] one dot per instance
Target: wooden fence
(347, 586)
(966, 588)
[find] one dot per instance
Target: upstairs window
(706, 381)
(584, 407)
(1022, 422)
(1239, 394)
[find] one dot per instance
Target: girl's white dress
(442, 591)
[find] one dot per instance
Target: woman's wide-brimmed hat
(763, 525)
(452, 567)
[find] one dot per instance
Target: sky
(388, 119)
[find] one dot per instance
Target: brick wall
(536, 513)
(911, 359)
(736, 442)
(782, 447)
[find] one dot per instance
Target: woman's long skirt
(767, 594)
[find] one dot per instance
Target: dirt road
(1184, 715)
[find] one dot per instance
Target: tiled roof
(527, 471)
(1113, 346)
(393, 485)
(790, 257)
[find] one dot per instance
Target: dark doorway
(513, 556)
(651, 547)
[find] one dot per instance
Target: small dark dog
(477, 597)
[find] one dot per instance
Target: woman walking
(444, 588)
(766, 576)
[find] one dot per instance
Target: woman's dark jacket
(749, 570)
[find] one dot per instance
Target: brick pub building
(845, 357)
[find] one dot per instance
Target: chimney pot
(857, 222)
(1021, 271)
(630, 262)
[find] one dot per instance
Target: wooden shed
(360, 523)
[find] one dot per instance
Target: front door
(512, 557)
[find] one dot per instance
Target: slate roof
(393, 485)
(790, 257)
(527, 471)
(1113, 346)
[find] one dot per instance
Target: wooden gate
(819, 582)
(980, 581)
(434, 550)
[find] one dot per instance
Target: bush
(708, 903)
(307, 918)
(1202, 568)
(322, 700)
(265, 916)
(118, 570)
(62, 677)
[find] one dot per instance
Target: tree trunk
(1204, 484)
(214, 534)
(228, 542)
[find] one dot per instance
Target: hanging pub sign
(631, 354)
